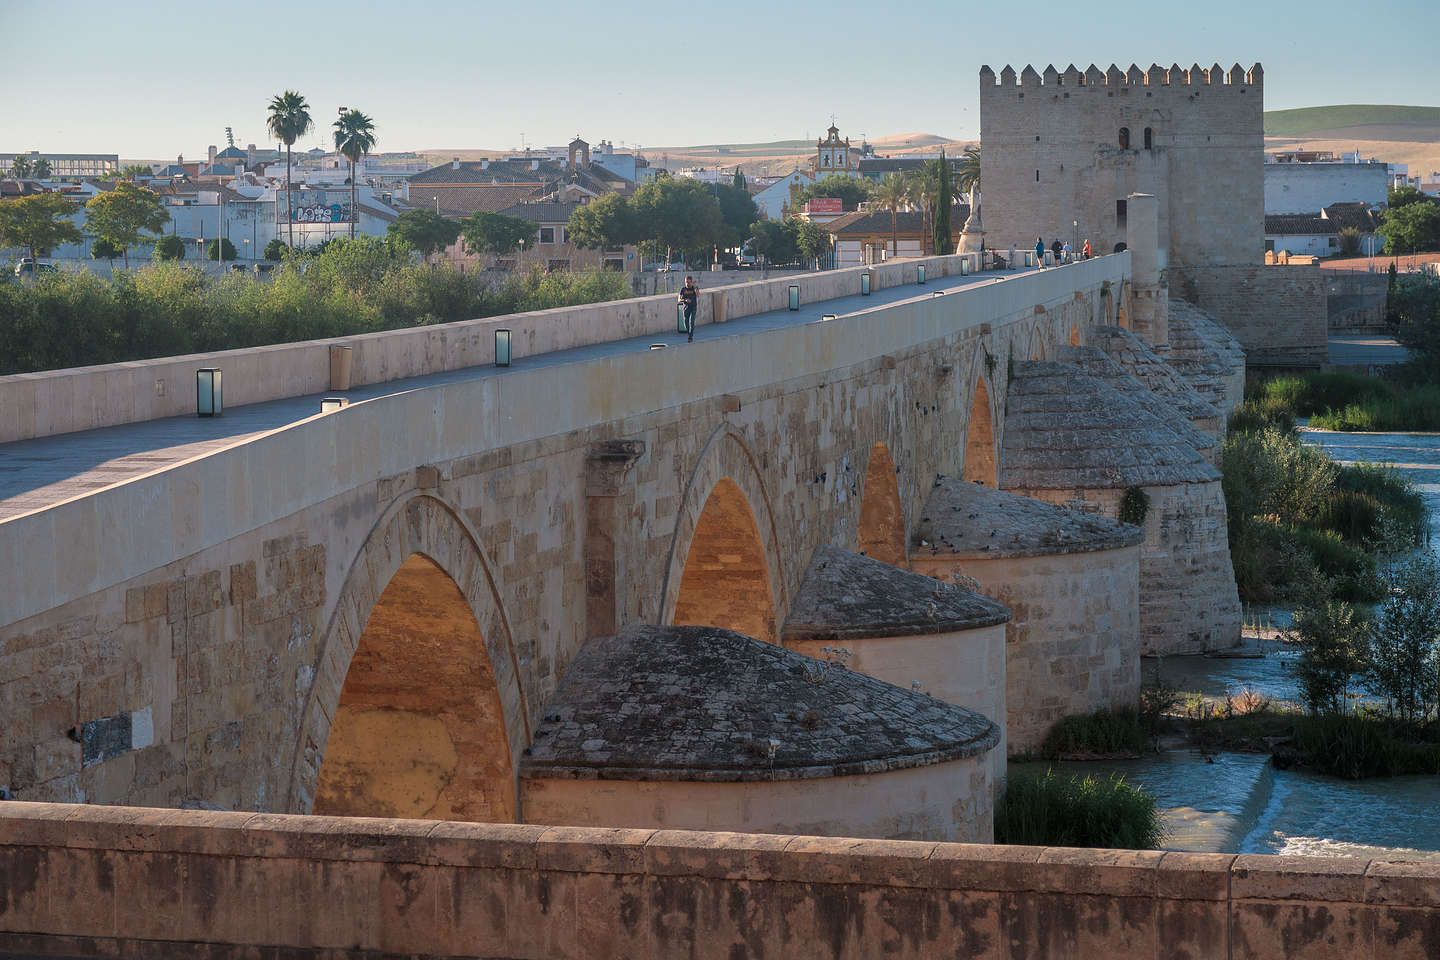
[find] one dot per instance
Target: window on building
(618, 266)
(1269, 246)
(547, 234)
(1334, 241)
(557, 264)
(505, 265)
(1037, 176)
(1124, 138)
(1121, 217)
(564, 234)
(1148, 138)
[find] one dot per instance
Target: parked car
(29, 267)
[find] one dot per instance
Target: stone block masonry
(1279, 314)
(87, 881)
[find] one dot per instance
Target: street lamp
(1075, 250)
(437, 205)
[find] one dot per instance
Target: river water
(1239, 803)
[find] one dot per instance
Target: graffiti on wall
(316, 207)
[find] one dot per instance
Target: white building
(1307, 187)
(774, 198)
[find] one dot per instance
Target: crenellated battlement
(1094, 77)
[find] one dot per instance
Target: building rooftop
(1068, 430)
(702, 703)
(876, 221)
(963, 519)
(847, 596)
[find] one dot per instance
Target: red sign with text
(825, 205)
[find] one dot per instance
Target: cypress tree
(944, 243)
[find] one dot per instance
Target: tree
(739, 182)
(213, 250)
(924, 187)
(893, 194)
(812, 240)
(1412, 227)
(968, 173)
(738, 211)
(606, 222)
(944, 240)
(1349, 241)
(289, 121)
(774, 240)
(168, 247)
(275, 249)
(354, 137)
(423, 229)
(103, 249)
(852, 191)
(1404, 196)
(1332, 639)
(133, 170)
(41, 169)
(1404, 660)
(124, 215)
(678, 214)
(38, 222)
(495, 233)
(20, 167)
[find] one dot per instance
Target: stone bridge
(368, 611)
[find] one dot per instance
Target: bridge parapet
(84, 398)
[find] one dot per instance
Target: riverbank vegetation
(1058, 810)
(1337, 400)
(1301, 526)
(348, 287)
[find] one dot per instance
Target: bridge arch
(981, 451)
(416, 708)
(882, 517)
(1075, 335)
(724, 568)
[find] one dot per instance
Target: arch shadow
(882, 517)
(981, 452)
(726, 465)
(423, 548)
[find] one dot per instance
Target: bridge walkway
(39, 473)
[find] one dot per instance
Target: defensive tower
(1064, 151)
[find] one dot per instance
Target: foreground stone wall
(100, 881)
(1277, 313)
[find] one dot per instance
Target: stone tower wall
(1052, 156)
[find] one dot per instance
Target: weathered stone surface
(972, 520)
(1145, 365)
(1207, 355)
(1098, 364)
(847, 596)
(699, 703)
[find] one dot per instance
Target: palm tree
(892, 194)
(354, 137)
(20, 167)
(924, 185)
(40, 170)
(289, 121)
(968, 170)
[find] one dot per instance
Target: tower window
(1037, 176)
(1120, 214)
(1148, 138)
(1124, 138)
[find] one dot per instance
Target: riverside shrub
(1070, 811)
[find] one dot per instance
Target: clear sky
(151, 80)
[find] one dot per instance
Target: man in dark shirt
(690, 296)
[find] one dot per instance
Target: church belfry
(832, 153)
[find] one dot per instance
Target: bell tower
(831, 153)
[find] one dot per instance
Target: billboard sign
(825, 205)
(317, 206)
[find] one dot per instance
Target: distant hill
(1359, 121)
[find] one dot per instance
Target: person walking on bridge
(1055, 249)
(1040, 252)
(690, 297)
(1085, 250)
